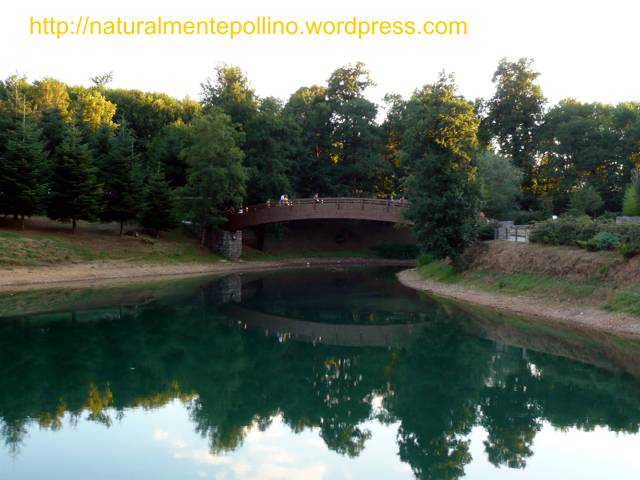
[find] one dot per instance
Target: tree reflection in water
(438, 386)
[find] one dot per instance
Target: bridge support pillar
(228, 243)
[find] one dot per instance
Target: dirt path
(564, 313)
(58, 276)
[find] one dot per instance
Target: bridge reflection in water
(112, 355)
(331, 334)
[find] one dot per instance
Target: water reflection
(198, 344)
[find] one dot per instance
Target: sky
(583, 49)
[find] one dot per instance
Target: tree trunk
(73, 225)
(121, 226)
(22, 222)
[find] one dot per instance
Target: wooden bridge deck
(311, 209)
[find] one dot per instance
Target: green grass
(49, 247)
(513, 283)
(625, 301)
(440, 272)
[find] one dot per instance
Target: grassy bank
(49, 243)
(594, 292)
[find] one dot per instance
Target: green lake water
(308, 374)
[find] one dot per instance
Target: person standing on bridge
(390, 201)
(283, 197)
(316, 198)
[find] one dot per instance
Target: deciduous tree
(216, 178)
(438, 146)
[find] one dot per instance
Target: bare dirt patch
(562, 262)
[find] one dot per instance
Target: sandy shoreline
(579, 316)
(93, 273)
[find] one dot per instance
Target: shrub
(526, 217)
(564, 231)
(424, 259)
(629, 248)
(585, 200)
(603, 241)
(631, 200)
(487, 231)
(397, 251)
(587, 233)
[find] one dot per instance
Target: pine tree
(75, 192)
(157, 212)
(631, 201)
(22, 171)
(116, 175)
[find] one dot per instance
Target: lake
(305, 374)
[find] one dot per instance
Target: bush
(564, 231)
(526, 217)
(587, 233)
(487, 231)
(602, 241)
(424, 259)
(629, 248)
(397, 251)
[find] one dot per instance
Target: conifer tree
(22, 171)
(116, 175)
(157, 211)
(631, 201)
(75, 194)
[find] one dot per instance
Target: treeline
(121, 155)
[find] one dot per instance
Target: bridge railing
(328, 201)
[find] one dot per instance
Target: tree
(165, 150)
(514, 114)
(230, 92)
(116, 175)
(585, 200)
(267, 139)
(438, 146)
(148, 113)
(356, 140)
(308, 116)
(92, 109)
(75, 193)
(631, 201)
(50, 94)
(53, 124)
(499, 180)
(157, 212)
(216, 178)
(580, 143)
(102, 80)
(22, 170)
(392, 131)
(268, 153)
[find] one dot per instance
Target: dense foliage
(511, 156)
(588, 233)
(439, 141)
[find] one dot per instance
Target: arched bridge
(327, 333)
(317, 209)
